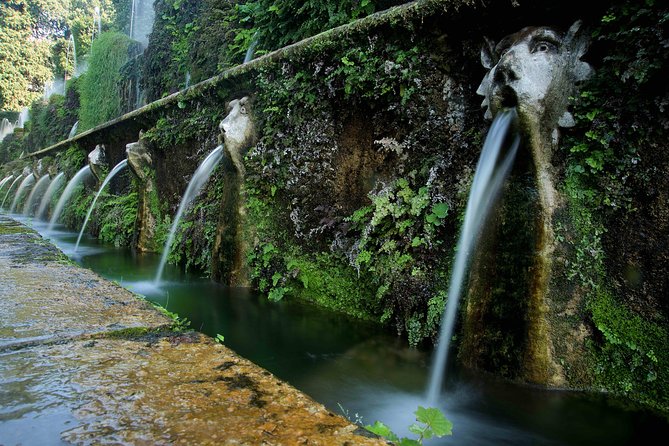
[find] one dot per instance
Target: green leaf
(409, 442)
(440, 209)
(435, 419)
(276, 277)
(382, 430)
(417, 241)
(422, 431)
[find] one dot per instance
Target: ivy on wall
(615, 183)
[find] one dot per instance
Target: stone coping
(405, 13)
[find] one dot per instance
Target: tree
(34, 36)
(24, 56)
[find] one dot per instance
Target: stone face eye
(243, 110)
(544, 47)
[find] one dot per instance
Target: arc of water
(198, 180)
(4, 181)
(19, 192)
(488, 180)
(73, 130)
(67, 193)
(39, 187)
(251, 49)
(111, 175)
(46, 198)
(11, 186)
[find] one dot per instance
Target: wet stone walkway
(84, 361)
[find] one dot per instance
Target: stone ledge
(85, 361)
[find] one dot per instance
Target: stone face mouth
(508, 97)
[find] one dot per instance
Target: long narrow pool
(358, 369)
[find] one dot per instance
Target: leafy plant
(430, 423)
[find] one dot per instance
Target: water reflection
(359, 369)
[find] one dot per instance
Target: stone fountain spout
(97, 160)
(536, 70)
(141, 164)
(237, 131)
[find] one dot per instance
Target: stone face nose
(505, 73)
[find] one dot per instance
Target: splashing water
(39, 187)
(111, 175)
(67, 193)
(19, 192)
(488, 180)
(46, 199)
(200, 177)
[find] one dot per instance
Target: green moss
(331, 283)
(6, 229)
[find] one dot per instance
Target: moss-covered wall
(368, 138)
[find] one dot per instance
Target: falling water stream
(111, 175)
(67, 193)
(27, 181)
(142, 16)
(72, 45)
(46, 199)
(34, 193)
(492, 168)
(200, 177)
(6, 128)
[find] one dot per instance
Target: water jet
(198, 180)
(46, 199)
(67, 193)
(42, 183)
(109, 177)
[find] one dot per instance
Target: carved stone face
(38, 169)
(97, 161)
(534, 69)
(237, 129)
(139, 158)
